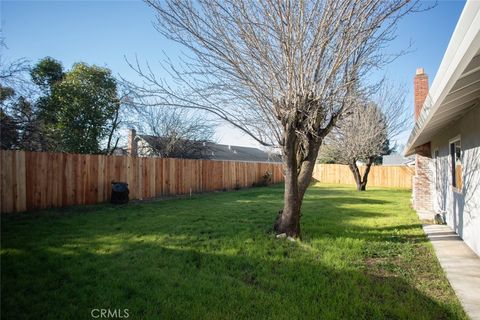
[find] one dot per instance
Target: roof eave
(462, 48)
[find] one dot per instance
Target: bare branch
(281, 71)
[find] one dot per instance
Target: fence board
(379, 176)
(7, 188)
(42, 181)
(31, 180)
(37, 180)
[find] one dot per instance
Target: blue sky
(104, 32)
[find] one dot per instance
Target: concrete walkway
(461, 265)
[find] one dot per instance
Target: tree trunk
(362, 186)
(288, 219)
(356, 174)
(306, 170)
(365, 174)
(360, 180)
(298, 174)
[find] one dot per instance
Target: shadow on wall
(461, 205)
(442, 183)
(470, 202)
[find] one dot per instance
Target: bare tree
(364, 134)
(359, 137)
(175, 132)
(20, 122)
(122, 117)
(113, 126)
(19, 127)
(12, 73)
(280, 71)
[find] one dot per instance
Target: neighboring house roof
(237, 153)
(155, 142)
(120, 151)
(396, 160)
(456, 86)
(214, 151)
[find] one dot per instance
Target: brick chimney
(132, 143)
(420, 88)
(422, 181)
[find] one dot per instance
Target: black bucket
(119, 193)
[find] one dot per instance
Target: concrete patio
(461, 265)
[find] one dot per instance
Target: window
(456, 157)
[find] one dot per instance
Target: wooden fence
(379, 176)
(38, 180)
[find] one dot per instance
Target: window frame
(452, 149)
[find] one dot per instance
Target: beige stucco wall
(144, 149)
(462, 209)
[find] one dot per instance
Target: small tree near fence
(364, 134)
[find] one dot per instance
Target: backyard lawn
(362, 256)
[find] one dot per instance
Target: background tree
(112, 128)
(29, 128)
(387, 149)
(14, 92)
(46, 73)
(364, 134)
(80, 108)
(74, 111)
(181, 133)
(8, 131)
(11, 72)
(359, 137)
(280, 71)
(21, 102)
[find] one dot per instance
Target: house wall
(461, 208)
(144, 149)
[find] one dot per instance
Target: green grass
(362, 256)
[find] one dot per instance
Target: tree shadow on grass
(348, 200)
(158, 282)
(226, 214)
(209, 257)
